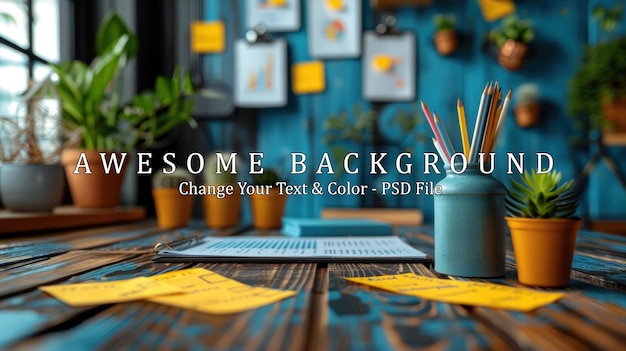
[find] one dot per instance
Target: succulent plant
(269, 177)
(210, 171)
(173, 180)
(527, 94)
(541, 195)
(444, 22)
(514, 28)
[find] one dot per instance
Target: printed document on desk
(288, 249)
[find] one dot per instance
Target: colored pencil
(440, 151)
(463, 127)
(503, 113)
(433, 127)
(483, 124)
(481, 107)
(491, 116)
(447, 143)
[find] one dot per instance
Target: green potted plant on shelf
(541, 216)
(527, 107)
(268, 205)
(221, 210)
(173, 209)
(512, 38)
(445, 35)
(31, 177)
(92, 109)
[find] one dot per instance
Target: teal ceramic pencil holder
(470, 237)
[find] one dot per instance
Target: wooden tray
(66, 217)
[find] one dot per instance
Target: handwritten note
(207, 37)
(462, 292)
(308, 77)
(496, 9)
(210, 292)
(91, 294)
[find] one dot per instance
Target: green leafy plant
(608, 18)
(210, 172)
(513, 28)
(91, 96)
(601, 77)
(541, 195)
(269, 177)
(444, 22)
(173, 180)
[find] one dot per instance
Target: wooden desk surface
(327, 313)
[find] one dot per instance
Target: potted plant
(598, 89)
(512, 38)
(221, 210)
(92, 109)
(267, 203)
(541, 212)
(445, 36)
(173, 209)
(31, 178)
(527, 107)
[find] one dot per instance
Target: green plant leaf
(112, 28)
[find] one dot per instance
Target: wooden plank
(356, 317)
(66, 217)
(139, 325)
(393, 216)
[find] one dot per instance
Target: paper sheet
(210, 292)
(91, 294)
(461, 292)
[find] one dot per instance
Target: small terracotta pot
(544, 249)
(512, 55)
(446, 42)
(173, 209)
(267, 209)
(615, 112)
(96, 189)
(221, 213)
(527, 115)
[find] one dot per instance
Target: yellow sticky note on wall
(308, 77)
(461, 292)
(207, 37)
(496, 9)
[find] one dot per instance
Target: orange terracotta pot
(512, 55)
(93, 190)
(267, 209)
(544, 249)
(615, 112)
(173, 209)
(446, 42)
(527, 115)
(221, 213)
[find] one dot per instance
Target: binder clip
(387, 25)
(258, 34)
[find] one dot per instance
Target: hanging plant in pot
(527, 107)
(512, 38)
(91, 106)
(31, 177)
(543, 228)
(267, 203)
(221, 210)
(446, 41)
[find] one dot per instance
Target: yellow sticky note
(209, 292)
(308, 77)
(277, 3)
(207, 37)
(382, 63)
(462, 292)
(335, 5)
(90, 294)
(496, 9)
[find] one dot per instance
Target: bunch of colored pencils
(489, 121)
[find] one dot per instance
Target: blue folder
(335, 227)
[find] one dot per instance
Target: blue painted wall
(563, 29)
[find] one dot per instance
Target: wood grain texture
(146, 325)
